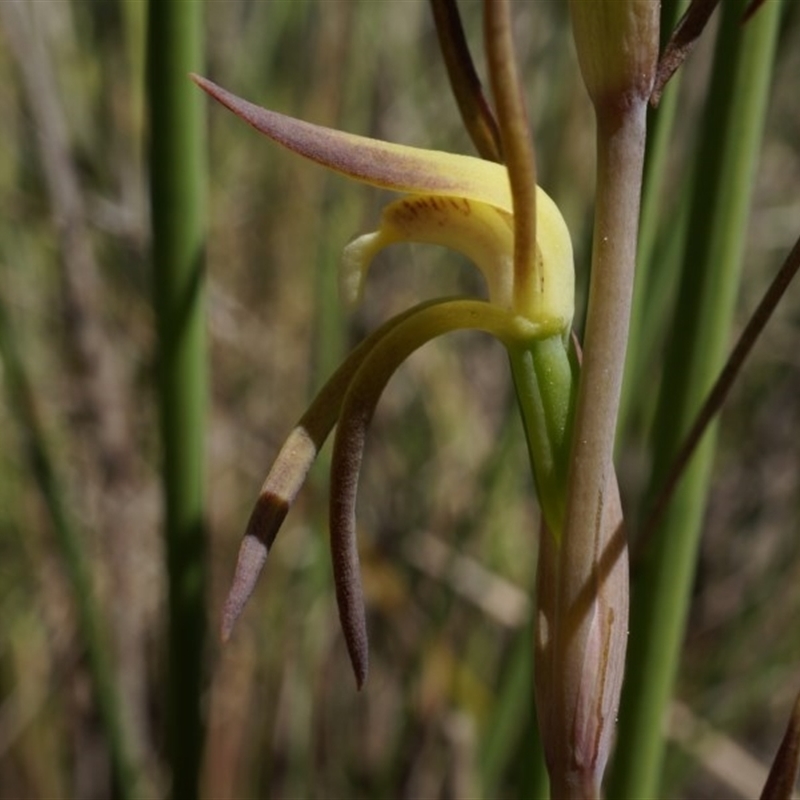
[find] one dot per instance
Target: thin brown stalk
(515, 136)
(721, 388)
(681, 43)
(475, 111)
(783, 775)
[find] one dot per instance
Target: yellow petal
(479, 188)
(482, 233)
(389, 166)
(555, 303)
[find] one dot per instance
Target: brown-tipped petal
(283, 482)
(289, 472)
(417, 328)
(383, 164)
(783, 774)
(252, 557)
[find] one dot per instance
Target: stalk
(617, 44)
(649, 295)
(714, 249)
(515, 140)
(464, 81)
(177, 185)
(592, 558)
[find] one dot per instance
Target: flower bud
(617, 44)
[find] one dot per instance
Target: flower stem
(620, 153)
(515, 136)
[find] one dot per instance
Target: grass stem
(661, 592)
(177, 185)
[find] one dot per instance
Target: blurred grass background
(447, 516)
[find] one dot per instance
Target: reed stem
(177, 186)
(712, 261)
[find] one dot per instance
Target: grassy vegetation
(447, 516)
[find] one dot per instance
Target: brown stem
(621, 133)
(466, 85)
(517, 146)
(720, 390)
(681, 43)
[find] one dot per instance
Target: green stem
(545, 379)
(726, 162)
(177, 176)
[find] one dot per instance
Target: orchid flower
(497, 217)
(453, 200)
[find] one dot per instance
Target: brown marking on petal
(410, 210)
(280, 488)
(461, 204)
(389, 166)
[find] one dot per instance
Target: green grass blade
(650, 304)
(177, 176)
(726, 162)
(512, 734)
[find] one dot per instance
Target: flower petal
(383, 164)
(289, 471)
(425, 323)
(484, 234)
(479, 231)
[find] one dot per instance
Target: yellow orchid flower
(497, 217)
(466, 204)
(453, 200)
